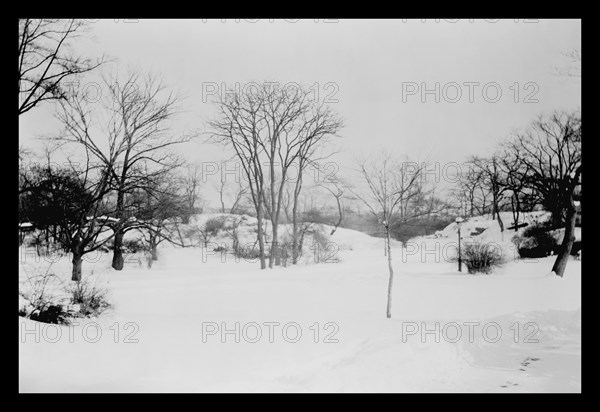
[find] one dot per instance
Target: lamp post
(458, 221)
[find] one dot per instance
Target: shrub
(537, 241)
(51, 314)
(248, 253)
(536, 229)
(40, 290)
(92, 299)
(133, 246)
(46, 298)
(286, 247)
(481, 257)
(212, 226)
(25, 306)
(40, 298)
(220, 248)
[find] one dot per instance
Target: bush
(481, 257)
(46, 298)
(51, 314)
(212, 226)
(39, 293)
(248, 253)
(92, 299)
(133, 246)
(537, 229)
(220, 248)
(537, 241)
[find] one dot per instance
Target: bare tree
(470, 190)
(231, 194)
(392, 186)
(513, 171)
(307, 157)
(239, 194)
(335, 186)
(270, 129)
(127, 132)
(46, 61)
(72, 199)
(191, 186)
(221, 190)
(492, 179)
(551, 154)
(162, 206)
(299, 127)
(573, 68)
(239, 126)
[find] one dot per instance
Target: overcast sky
(362, 67)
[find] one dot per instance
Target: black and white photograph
(229, 205)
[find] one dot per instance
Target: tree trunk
(500, 223)
(235, 239)
(484, 207)
(222, 201)
(340, 214)
(117, 262)
(261, 240)
(271, 248)
(514, 203)
(301, 239)
(274, 256)
(296, 246)
(153, 245)
(472, 210)
(557, 217)
(77, 264)
(118, 259)
(569, 238)
(294, 236)
(518, 209)
(385, 246)
(273, 205)
(389, 256)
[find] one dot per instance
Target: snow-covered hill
(173, 327)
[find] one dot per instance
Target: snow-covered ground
(315, 326)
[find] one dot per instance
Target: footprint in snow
(528, 360)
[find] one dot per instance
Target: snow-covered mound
(474, 226)
(484, 229)
(245, 228)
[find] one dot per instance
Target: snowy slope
(166, 307)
